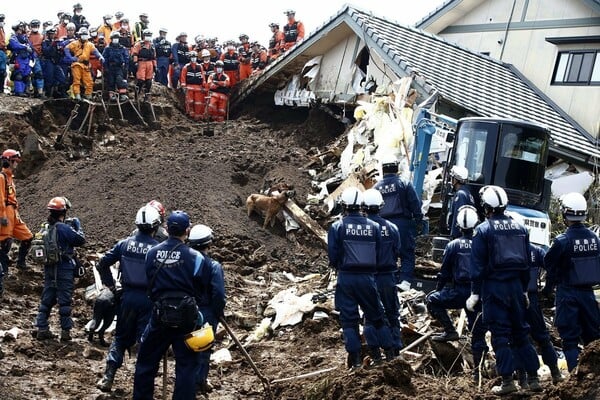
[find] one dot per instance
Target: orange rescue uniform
(192, 80)
(9, 209)
(80, 69)
(145, 55)
(219, 95)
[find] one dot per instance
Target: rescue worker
(78, 19)
(37, 74)
(180, 53)
(65, 62)
(116, 26)
(22, 54)
(219, 86)
(387, 259)
(11, 224)
(163, 57)
(276, 41)
(140, 26)
(500, 274)
(258, 58)
(454, 288)
(62, 27)
(106, 28)
(207, 66)
(58, 277)
(100, 43)
(114, 68)
(3, 58)
(80, 52)
(573, 265)
(35, 36)
(174, 272)
(245, 58)
(161, 234)
(462, 196)
(214, 48)
(353, 247)
(54, 76)
(144, 60)
(135, 307)
(126, 41)
(231, 64)
(293, 31)
(402, 207)
(193, 85)
(211, 297)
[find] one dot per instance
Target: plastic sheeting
(290, 308)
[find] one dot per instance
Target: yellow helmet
(201, 339)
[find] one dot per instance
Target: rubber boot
(534, 383)
(65, 335)
(4, 258)
(375, 356)
(557, 376)
(523, 383)
(43, 334)
(24, 247)
(105, 384)
(355, 361)
(391, 353)
(508, 386)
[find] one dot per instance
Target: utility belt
(176, 310)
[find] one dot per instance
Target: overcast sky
(223, 19)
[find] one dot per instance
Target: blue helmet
(178, 221)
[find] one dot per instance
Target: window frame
(571, 56)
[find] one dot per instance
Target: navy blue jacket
(389, 248)
(114, 56)
(456, 262)
(462, 197)
(400, 198)
(353, 244)
(536, 264)
(211, 288)
(67, 238)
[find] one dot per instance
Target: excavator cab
(508, 153)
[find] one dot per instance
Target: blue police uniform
(353, 245)
(453, 290)
(181, 271)
(163, 59)
(135, 307)
(402, 207)
(499, 271)
(22, 51)
(114, 64)
(461, 198)
(58, 278)
(54, 76)
(573, 263)
(389, 251)
(180, 52)
(211, 303)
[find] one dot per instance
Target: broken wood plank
(353, 180)
(461, 322)
(307, 375)
(305, 221)
(416, 342)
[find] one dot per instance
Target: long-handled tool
(262, 378)
(137, 112)
(164, 385)
(60, 137)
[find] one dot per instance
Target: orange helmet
(11, 155)
(157, 205)
(57, 204)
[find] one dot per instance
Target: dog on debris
(105, 309)
(269, 205)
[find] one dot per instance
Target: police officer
(573, 264)
(174, 272)
(58, 277)
(210, 298)
(135, 307)
(402, 207)
(500, 273)
(454, 288)
(462, 196)
(163, 57)
(353, 246)
(389, 251)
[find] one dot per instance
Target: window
(577, 68)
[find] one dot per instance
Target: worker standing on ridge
(140, 26)
(192, 83)
(174, 272)
(231, 63)
(211, 297)
(3, 58)
(163, 57)
(11, 225)
(22, 54)
(144, 58)
(80, 51)
(573, 264)
(462, 196)
(219, 86)
(244, 52)
(37, 75)
(500, 274)
(353, 246)
(59, 276)
(402, 207)
(258, 58)
(181, 57)
(78, 19)
(293, 31)
(106, 28)
(54, 76)
(208, 66)
(276, 41)
(387, 267)
(114, 68)
(135, 307)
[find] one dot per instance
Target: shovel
(59, 138)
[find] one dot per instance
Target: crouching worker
(54, 246)
(210, 297)
(135, 307)
(174, 273)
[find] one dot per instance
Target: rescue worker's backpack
(44, 246)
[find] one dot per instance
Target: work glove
(4, 221)
(404, 286)
(472, 302)
(526, 296)
(75, 223)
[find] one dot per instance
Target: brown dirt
(110, 174)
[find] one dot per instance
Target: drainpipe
(507, 27)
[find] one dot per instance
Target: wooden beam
(305, 221)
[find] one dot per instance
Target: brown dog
(269, 205)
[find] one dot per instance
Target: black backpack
(44, 246)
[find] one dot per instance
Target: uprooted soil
(119, 166)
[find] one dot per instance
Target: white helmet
(200, 235)
(467, 217)
(573, 207)
(459, 173)
(372, 198)
(205, 53)
(71, 26)
(352, 197)
(147, 217)
(83, 31)
(493, 198)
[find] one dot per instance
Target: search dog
(269, 205)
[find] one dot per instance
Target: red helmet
(159, 207)
(11, 155)
(57, 204)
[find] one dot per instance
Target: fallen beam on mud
(307, 375)
(306, 221)
(416, 342)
